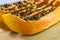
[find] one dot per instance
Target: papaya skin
(21, 26)
(2, 24)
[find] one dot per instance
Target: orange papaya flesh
(2, 24)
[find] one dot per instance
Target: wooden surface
(52, 33)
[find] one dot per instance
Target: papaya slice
(31, 27)
(1, 13)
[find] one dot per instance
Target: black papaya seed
(19, 2)
(25, 1)
(22, 13)
(26, 19)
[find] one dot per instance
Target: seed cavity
(25, 14)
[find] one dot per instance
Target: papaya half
(31, 23)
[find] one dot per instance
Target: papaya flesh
(21, 26)
(2, 24)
